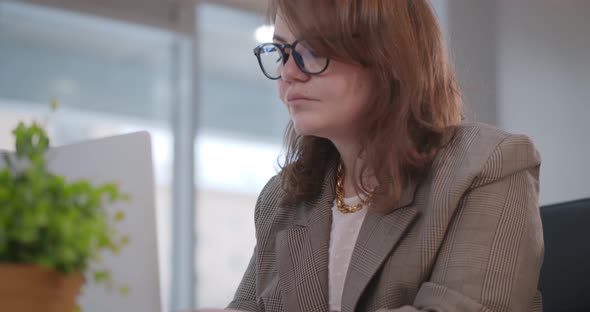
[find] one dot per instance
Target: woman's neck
(349, 156)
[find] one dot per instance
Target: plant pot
(30, 288)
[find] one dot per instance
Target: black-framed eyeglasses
(273, 56)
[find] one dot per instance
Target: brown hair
(417, 101)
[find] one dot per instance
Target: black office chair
(565, 276)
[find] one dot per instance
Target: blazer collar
(302, 252)
(378, 237)
(302, 249)
(314, 212)
(308, 213)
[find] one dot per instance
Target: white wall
(525, 66)
(543, 81)
(472, 39)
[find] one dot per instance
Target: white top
(343, 235)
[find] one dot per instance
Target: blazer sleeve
(245, 296)
(491, 257)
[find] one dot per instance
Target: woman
(387, 200)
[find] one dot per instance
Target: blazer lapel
(378, 236)
(302, 253)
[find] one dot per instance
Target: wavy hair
(416, 100)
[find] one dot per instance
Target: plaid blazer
(468, 237)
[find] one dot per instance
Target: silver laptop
(126, 160)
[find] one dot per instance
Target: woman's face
(327, 105)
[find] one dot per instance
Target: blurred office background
(184, 71)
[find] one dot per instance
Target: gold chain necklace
(343, 207)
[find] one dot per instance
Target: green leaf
(124, 290)
(47, 220)
(119, 216)
(53, 104)
(101, 276)
(125, 240)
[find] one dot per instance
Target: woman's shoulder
(477, 133)
(482, 149)
(479, 138)
(272, 189)
(268, 198)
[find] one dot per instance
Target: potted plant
(51, 230)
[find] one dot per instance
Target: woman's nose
(290, 71)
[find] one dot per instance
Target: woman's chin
(305, 128)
